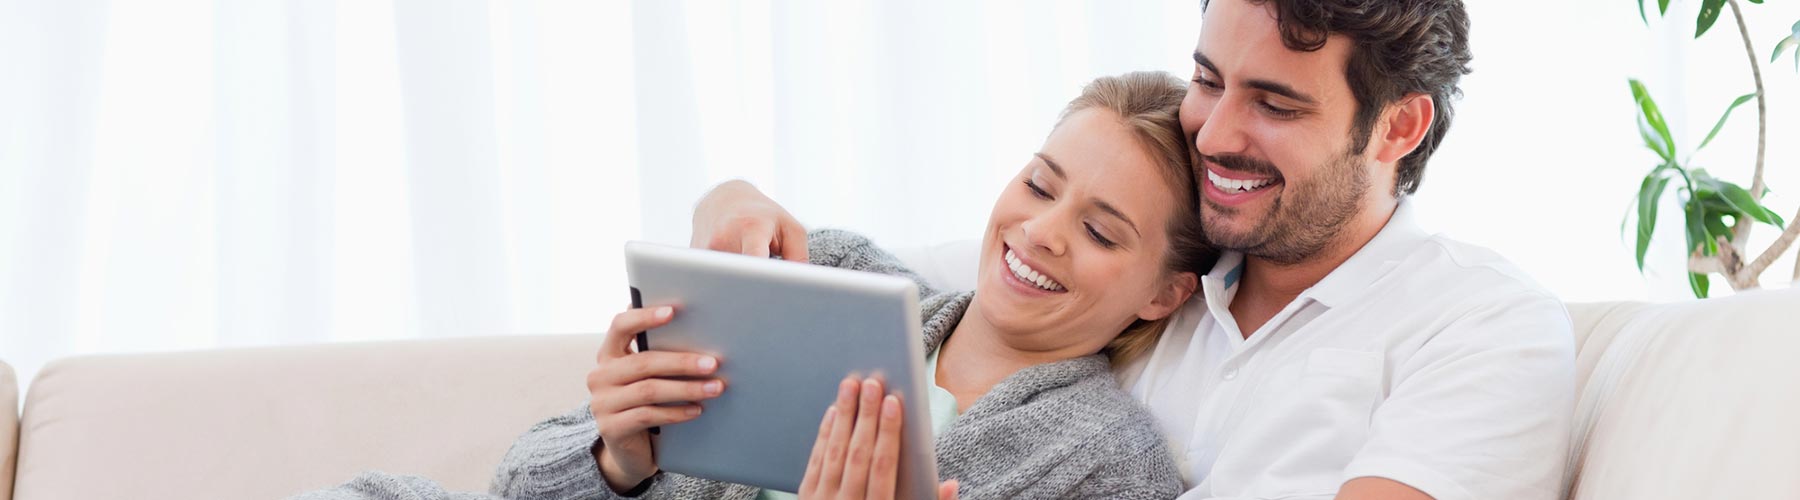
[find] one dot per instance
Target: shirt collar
(1375, 259)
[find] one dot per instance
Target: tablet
(785, 334)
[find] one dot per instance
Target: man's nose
(1222, 132)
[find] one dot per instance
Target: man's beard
(1300, 223)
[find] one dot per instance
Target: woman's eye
(1097, 237)
(1035, 190)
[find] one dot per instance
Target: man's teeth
(1235, 185)
(1026, 274)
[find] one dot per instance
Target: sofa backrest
(273, 422)
(9, 428)
(1692, 399)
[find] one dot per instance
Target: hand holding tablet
(781, 335)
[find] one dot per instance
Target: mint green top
(938, 401)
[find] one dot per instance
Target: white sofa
(1694, 399)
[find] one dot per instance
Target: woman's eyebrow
(1053, 166)
(1108, 208)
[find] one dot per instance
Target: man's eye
(1205, 83)
(1035, 190)
(1278, 112)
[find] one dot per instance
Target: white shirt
(1422, 360)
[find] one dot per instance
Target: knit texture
(1056, 430)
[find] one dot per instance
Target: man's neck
(1268, 286)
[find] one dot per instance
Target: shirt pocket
(1311, 424)
(1343, 387)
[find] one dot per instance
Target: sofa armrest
(9, 428)
(273, 422)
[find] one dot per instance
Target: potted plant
(1719, 214)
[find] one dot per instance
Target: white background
(188, 174)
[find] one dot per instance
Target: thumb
(947, 490)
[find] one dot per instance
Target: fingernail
(890, 407)
(830, 411)
(664, 312)
(713, 388)
(707, 363)
(693, 410)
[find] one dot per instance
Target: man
(1336, 351)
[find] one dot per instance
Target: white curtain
(188, 174)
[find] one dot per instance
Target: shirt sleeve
(1483, 409)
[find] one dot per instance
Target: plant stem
(1741, 230)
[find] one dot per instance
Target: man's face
(1272, 126)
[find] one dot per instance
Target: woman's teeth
(1235, 185)
(1026, 274)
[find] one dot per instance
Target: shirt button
(1230, 374)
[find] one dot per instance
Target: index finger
(793, 240)
(626, 326)
(884, 470)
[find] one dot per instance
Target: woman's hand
(735, 217)
(627, 389)
(857, 453)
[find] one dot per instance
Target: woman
(1086, 252)
(1085, 255)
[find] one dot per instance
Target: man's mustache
(1241, 163)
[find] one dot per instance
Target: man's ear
(1174, 293)
(1403, 127)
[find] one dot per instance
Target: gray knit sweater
(1055, 430)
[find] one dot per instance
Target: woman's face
(1075, 246)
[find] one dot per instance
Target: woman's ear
(1174, 293)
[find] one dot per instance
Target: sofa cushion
(272, 422)
(1693, 399)
(9, 428)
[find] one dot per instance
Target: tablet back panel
(785, 334)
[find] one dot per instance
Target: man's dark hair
(1400, 47)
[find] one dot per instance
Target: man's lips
(1229, 188)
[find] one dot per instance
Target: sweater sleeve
(1148, 474)
(847, 250)
(554, 460)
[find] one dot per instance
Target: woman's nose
(1041, 233)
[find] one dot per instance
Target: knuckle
(644, 390)
(885, 462)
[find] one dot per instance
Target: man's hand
(627, 388)
(735, 217)
(1379, 488)
(857, 453)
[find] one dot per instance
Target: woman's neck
(976, 357)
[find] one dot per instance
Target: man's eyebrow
(1053, 166)
(1202, 60)
(1108, 208)
(1283, 90)
(1269, 86)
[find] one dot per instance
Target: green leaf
(1743, 203)
(1790, 42)
(1709, 13)
(1648, 197)
(1715, 130)
(1783, 46)
(1699, 283)
(1695, 210)
(1662, 142)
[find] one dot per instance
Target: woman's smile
(1024, 274)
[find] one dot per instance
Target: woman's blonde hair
(1147, 102)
